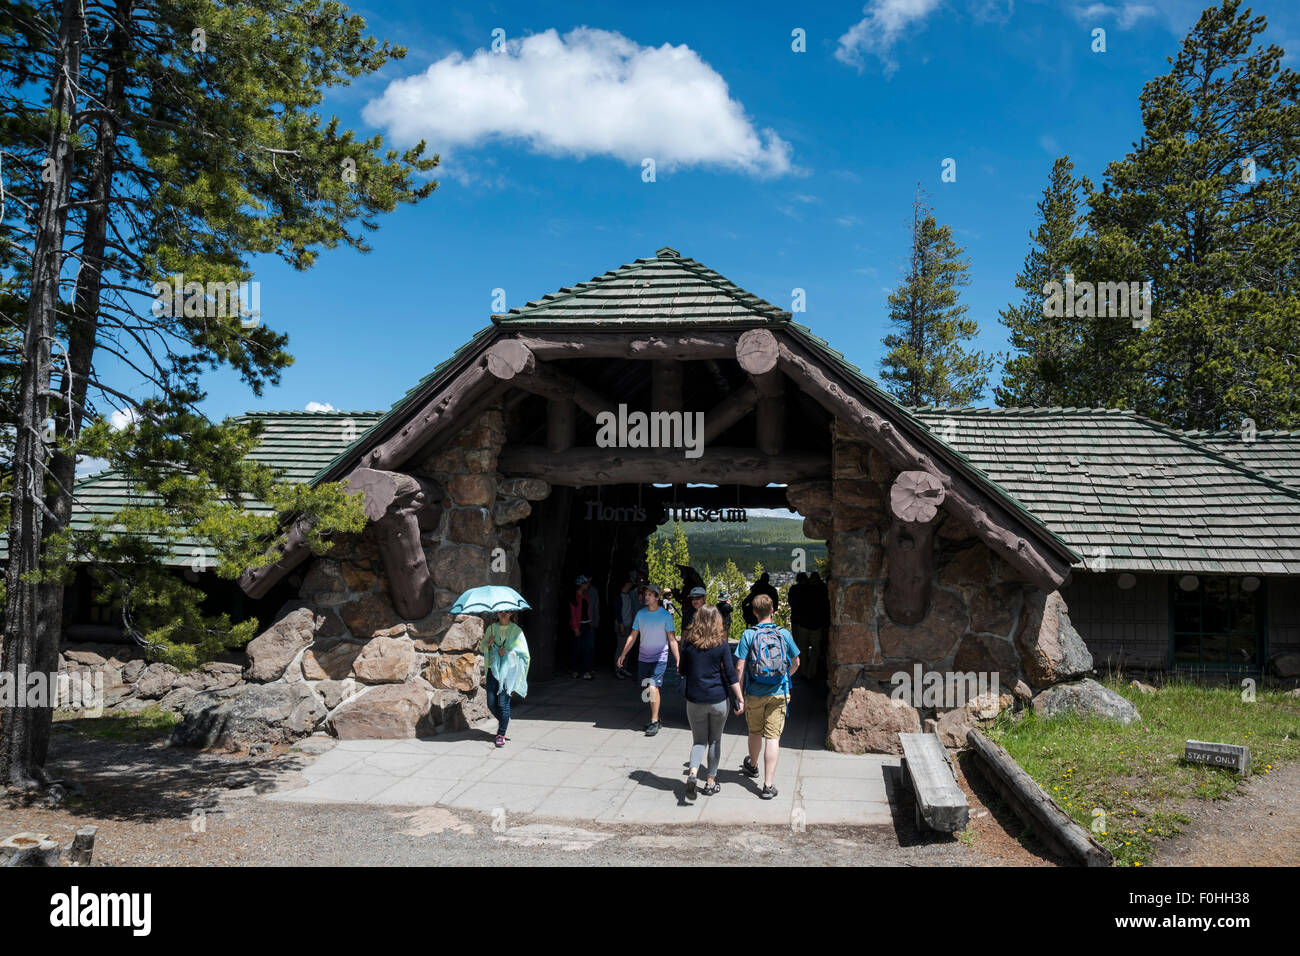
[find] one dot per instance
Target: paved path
(577, 752)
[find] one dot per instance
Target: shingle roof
(1273, 453)
(1144, 496)
(297, 443)
(664, 291)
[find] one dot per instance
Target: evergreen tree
(1046, 365)
(144, 140)
(926, 362)
(1206, 208)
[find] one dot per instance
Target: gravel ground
(162, 806)
(1260, 826)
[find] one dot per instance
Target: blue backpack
(768, 663)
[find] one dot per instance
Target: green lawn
(1135, 775)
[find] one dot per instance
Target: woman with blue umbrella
(504, 649)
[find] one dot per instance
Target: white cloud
(877, 32)
(587, 93)
(90, 466)
(1126, 14)
(123, 417)
(319, 407)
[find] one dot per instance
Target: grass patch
(152, 723)
(1135, 775)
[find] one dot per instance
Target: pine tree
(1046, 365)
(1206, 207)
(145, 140)
(926, 362)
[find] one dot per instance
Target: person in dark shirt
(709, 676)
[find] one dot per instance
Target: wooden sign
(1231, 756)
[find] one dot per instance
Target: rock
(1286, 665)
(332, 662)
(1051, 650)
(155, 681)
(866, 719)
(993, 609)
(810, 498)
(459, 567)
(132, 670)
(134, 705)
(474, 708)
(271, 651)
(454, 672)
(464, 634)
(531, 489)
(817, 529)
(969, 565)
(1085, 698)
(385, 660)
(471, 526)
(1022, 691)
(510, 511)
(235, 718)
(357, 577)
(86, 658)
(177, 698)
(324, 583)
(1141, 687)
(392, 712)
(368, 614)
(988, 655)
(931, 640)
(477, 489)
(334, 692)
(953, 725)
(315, 745)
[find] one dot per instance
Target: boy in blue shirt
(655, 627)
(766, 659)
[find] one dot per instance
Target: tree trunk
(30, 640)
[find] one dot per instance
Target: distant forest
(760, 539)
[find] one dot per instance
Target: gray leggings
(706, 722)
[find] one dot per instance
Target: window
(1217, 623)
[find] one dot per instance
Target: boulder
(934, 638)
(532, 489)
(953, 725)
(324, 583)
(257, 713)
(993, 609)
(86, 658)
(271, 651)
(988, 655)
(459, 567)
(359, 577)
(476, 489)
(330, 661)
(1286, 665)
(471, 526)
(392, 712)
(385, 660)
(1051, 650)
(866, 719)
(368, 614)
(464, 634)
(155, 681)
(1086, 698)
(334, 692)
(177, 698)
(450, 672)
(510, 511)
(132, 670)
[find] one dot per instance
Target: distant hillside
(768, 540)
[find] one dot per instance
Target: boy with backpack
(766, 659)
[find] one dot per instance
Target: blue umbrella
(489, 599)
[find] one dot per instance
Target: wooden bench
(940, 803)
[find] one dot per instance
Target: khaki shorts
(765, 716)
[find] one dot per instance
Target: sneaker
(652, 728)
(587, 676)
(748, 768)
(767, 793)
(575, 675)
(501, 740)
(621, 674)
(691, 783)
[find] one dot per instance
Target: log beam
(631, 345)
(729, 411)
(988, 518)
(595, 466)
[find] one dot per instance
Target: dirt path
(1258, 827)
(160, 806)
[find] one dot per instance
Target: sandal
(501, 740)
(709, 789)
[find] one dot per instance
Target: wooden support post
(561, 420)
(392, 501)
(914, 500)
(666, 386)
(770, 431)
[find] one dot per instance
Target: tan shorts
(765, 716)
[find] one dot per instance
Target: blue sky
(780, 169)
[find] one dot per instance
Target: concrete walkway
(577, 751)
